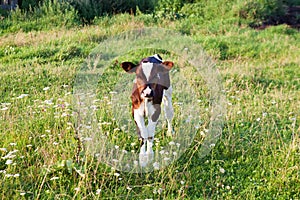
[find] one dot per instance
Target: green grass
(257, 156)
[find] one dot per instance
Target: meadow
(43, 156)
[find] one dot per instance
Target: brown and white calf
(151, 88)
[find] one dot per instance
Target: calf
(151, 87)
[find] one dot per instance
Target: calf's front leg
(138, 116)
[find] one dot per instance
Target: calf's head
(151, 74)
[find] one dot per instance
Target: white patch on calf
(147, 68)
(149, 108)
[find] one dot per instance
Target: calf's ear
(168, 65)
(128, 67)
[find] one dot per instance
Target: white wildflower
(156, 165)
(46, 88)
(64, 114)
(22, 96)
(202, 133)
(128, 188)
(16, 175)
(88, 139)
(8, 162)
(48, 101)
(98, 191)
(159, 191)
(54, 178)
(222, 170)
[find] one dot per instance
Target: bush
(170, 9)
(89, 9)
(291, 2)
(261, 9)
(209, 10)
(29, 4)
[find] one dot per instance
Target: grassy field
(257, 156)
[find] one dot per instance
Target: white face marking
(147, 68)
(146, 91)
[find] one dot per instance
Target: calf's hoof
(145, 158)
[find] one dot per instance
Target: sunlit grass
(256, 157)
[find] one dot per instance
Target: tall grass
(46, 16)
(257, 156)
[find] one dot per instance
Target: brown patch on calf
(168, 64)
(129, 67)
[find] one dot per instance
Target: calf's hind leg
(168, 108)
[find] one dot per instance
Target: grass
(257, 156)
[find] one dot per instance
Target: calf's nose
(148, 92)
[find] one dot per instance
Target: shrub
(258, 11)
(169, 9)
(89, 9)
(209, 10)
(29, 4)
